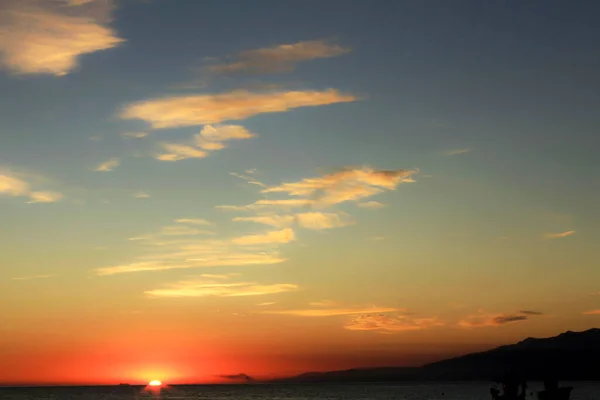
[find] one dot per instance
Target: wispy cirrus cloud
(282, 236)
(48, 37)
(184, 227)
(592, 312)
(219, 276)
(248, 178)
(192, 110)
(331, 312)
(388, 324)
(182, 230)
(135, 135)
(193, 221)
(320, 220)
(280, 58)
(31, 277)
(141, 195)
(44, 197)
(283, 203)
(162, 252)
(210, 138)
(265, 204)
(278, 221)
(307, 220)
(190, 258)
(217, 288)
(558, 235)
(14, 185)
(108, 165)
(371, 204)
(482, 319)
(365, 318)
(183, 246)
(179, 151)
(221, 133)
(143, 237)
(456, 152)
(349, 184)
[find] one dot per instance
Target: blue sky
(484, 114)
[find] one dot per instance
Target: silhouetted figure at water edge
(553, 392)
(510, 389)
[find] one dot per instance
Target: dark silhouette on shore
(512, 383)
(510, 388)
(569, 356)
(553, 392)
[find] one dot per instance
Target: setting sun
(155, 383)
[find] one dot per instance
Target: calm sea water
(437, 391)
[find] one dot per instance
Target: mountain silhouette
(568, 356)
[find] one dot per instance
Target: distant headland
(568, 356)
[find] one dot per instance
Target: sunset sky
(193, 189)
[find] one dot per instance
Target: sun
(155, 383)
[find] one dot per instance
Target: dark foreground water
(436, 391)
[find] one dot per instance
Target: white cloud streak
(210, 138)
(108, 165)
(32, 277)
(278, 221)
(320, 312)
(456, 152)
(349, 184)
(280, 58)
(283, 236)
(249, 179)
(193, 259)
(204, 288)
(320, 220)
(558, 235)
(182, 111)
(178, 152)
(182, 247)
(345, 185)
(182, 230)
(193, 221)
(135, 135)
(388, 324)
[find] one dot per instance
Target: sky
(196, 189)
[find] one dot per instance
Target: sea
(354, 391)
